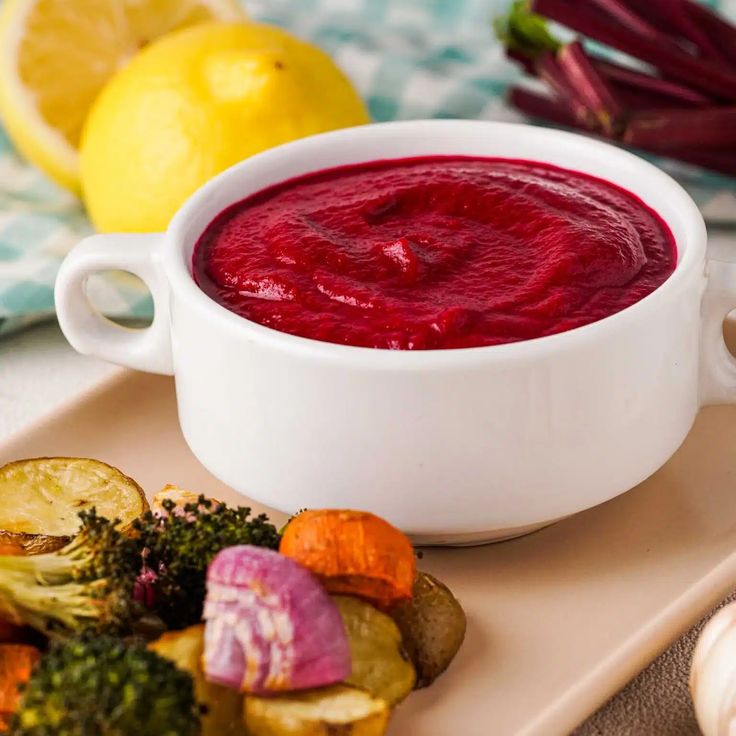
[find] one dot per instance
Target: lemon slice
(56, 55)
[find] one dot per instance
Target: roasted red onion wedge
(270, 626)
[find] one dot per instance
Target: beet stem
(683, 18)
(538, 105)
(545, 107)
(623, 14)
(633, 88)
(524, 60)
(716, 161)
(720, 33)
(590, 85)
(657, 12)
(667, 130)
(672, 61)
(549, 69)
(677, 93)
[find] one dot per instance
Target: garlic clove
(713, 675)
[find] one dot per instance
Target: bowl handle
(88, 331)
(717, 365)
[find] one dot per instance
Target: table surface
(39, 372)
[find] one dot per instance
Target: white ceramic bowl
(453, 446)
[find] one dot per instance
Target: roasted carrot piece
(353, 552)
(10, 549)
(16, 663)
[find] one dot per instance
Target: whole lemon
(192, 104)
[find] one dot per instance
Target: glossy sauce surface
(426, 253)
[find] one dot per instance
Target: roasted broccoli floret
(87, 584)
(179, 546)
(121, 584)
(99, 685)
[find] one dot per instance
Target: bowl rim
(690, 247)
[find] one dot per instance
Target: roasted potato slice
(178, 496)
(432, 625)
(325, 712)
(379, 664)
(42, 497)
(224, 716)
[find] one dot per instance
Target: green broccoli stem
(55, 610)
(47, 569)
(87, 584)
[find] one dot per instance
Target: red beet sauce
(442, 252)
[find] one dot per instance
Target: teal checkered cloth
(409, 59)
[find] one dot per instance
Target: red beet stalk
(624, 81)
(672, 61)
(634, 89)
(671, 130)
(538, 105)
(635, 100)
(692, 22)
(722, 33)
(655, 89)
(621, 13)
(547, 108)
(549, 69)
(591, 87)
(525, 61)
(720, 161)
(694, 31)
(657, 12)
